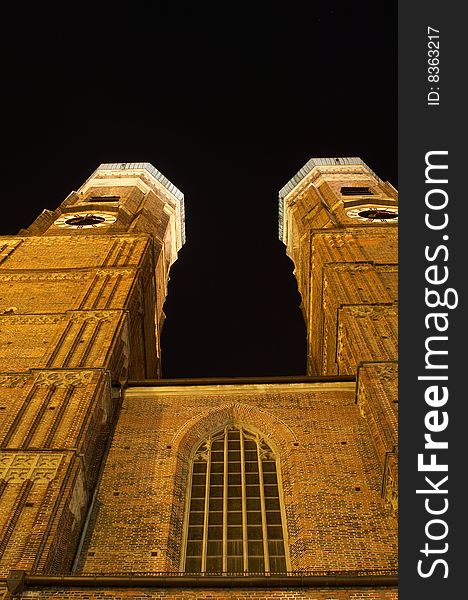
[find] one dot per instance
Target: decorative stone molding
(346, 266)
(125, 337)
(13, 380)
(64, 378)
(387, 268)
(31, 319)
(340, 340)
(383, 371)
(37, 466)
(387, 372)
(71, 275)
(390, 484)
(11, 310)
(51, 319)
(78, 499)
(325, 351)
(361, 311)
(116, 271)
(92, 316)
(42, 276)
(83, 240)
(362, 402)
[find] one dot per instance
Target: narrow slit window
(103, 199)
(356, 191)
(235, 522)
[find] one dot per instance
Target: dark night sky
(228, 105)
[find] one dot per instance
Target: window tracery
(234, 521)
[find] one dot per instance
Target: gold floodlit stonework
(106, 470)
(38, 467)
(64, 378)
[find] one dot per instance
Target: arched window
(234, 522)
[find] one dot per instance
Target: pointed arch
(234, 515)
(186, 440)
(206, 421)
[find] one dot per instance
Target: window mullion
(225, 499)
(244, 504)
(207, 508)
(263, 509)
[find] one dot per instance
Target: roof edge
(146, 166)
(306, 169)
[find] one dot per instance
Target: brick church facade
(116, 483)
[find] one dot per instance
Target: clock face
(85, 220)
(379, 214)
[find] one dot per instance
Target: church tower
(81, 296)
(339, 222)
(118, 483)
